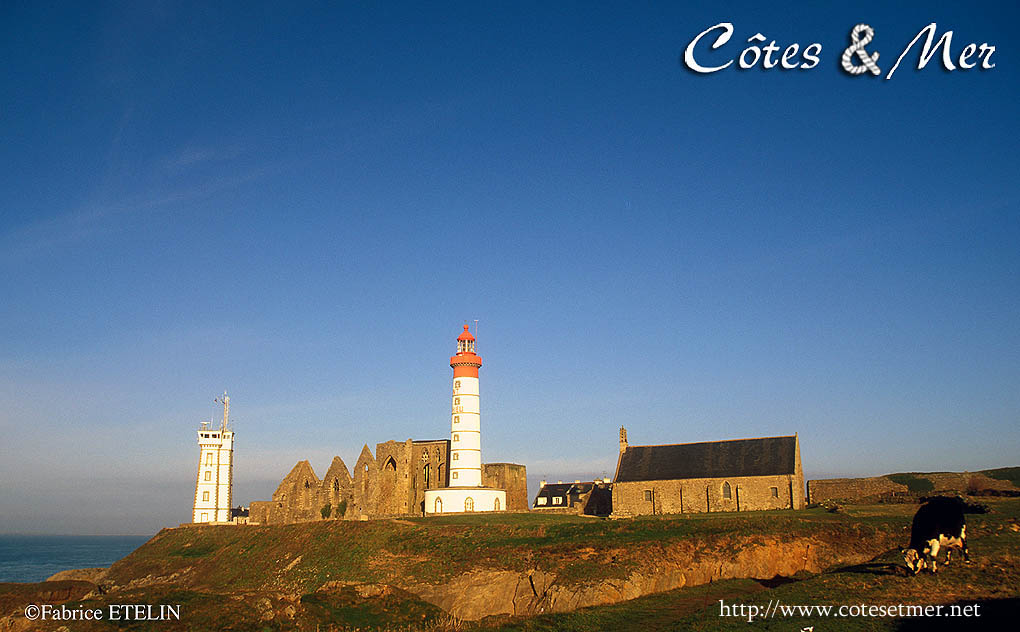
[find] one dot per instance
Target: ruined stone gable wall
(431, 456)
(364, 485)
(337, 486)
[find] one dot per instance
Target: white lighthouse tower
(215, 469)
(465, 492)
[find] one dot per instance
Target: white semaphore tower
(465, 492)
(215, 469)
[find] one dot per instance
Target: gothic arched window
(726, 490)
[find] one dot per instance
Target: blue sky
(303, 205)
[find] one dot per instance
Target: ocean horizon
(33, 558)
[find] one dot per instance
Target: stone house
(588, 498)
(390, 483)
(735, 475)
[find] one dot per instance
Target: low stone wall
(850, 489)
(859, 489)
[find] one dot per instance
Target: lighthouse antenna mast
(225, 400)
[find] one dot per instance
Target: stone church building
(737, 475)
(390, 483)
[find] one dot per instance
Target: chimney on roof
(606, 480)
(559, 482)
(577, 481)
(542, 484)
(623, 439)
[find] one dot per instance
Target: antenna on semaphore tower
(226, 409)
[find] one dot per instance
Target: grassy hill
(1011, 474)
(387, 574)
(305, 556)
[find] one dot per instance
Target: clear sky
(302, 205)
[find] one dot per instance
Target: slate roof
(565, 490)
(713, 459)
(553, 489)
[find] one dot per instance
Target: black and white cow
(937, 524)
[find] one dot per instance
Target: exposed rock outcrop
(94, 575)
(482, 593)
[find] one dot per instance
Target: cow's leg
(963, 544)
(933, 552)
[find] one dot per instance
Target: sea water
(33, 558)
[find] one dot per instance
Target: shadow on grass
(874, 568)
(778, 580)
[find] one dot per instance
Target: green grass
(1011, 474)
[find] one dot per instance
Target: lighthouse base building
(464, 499)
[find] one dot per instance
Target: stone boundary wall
(850, 489)
(858, 489)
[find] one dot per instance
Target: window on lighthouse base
(469, 504)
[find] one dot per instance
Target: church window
(208, 475)
(648, 494)
(775, 492)
(306, 484)
(726, 490)
(439, 505)
(469, 504)
(495, 505)
(542, 501)
(336, 485)
(205, 496)
(425, 474)
(391, 465)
